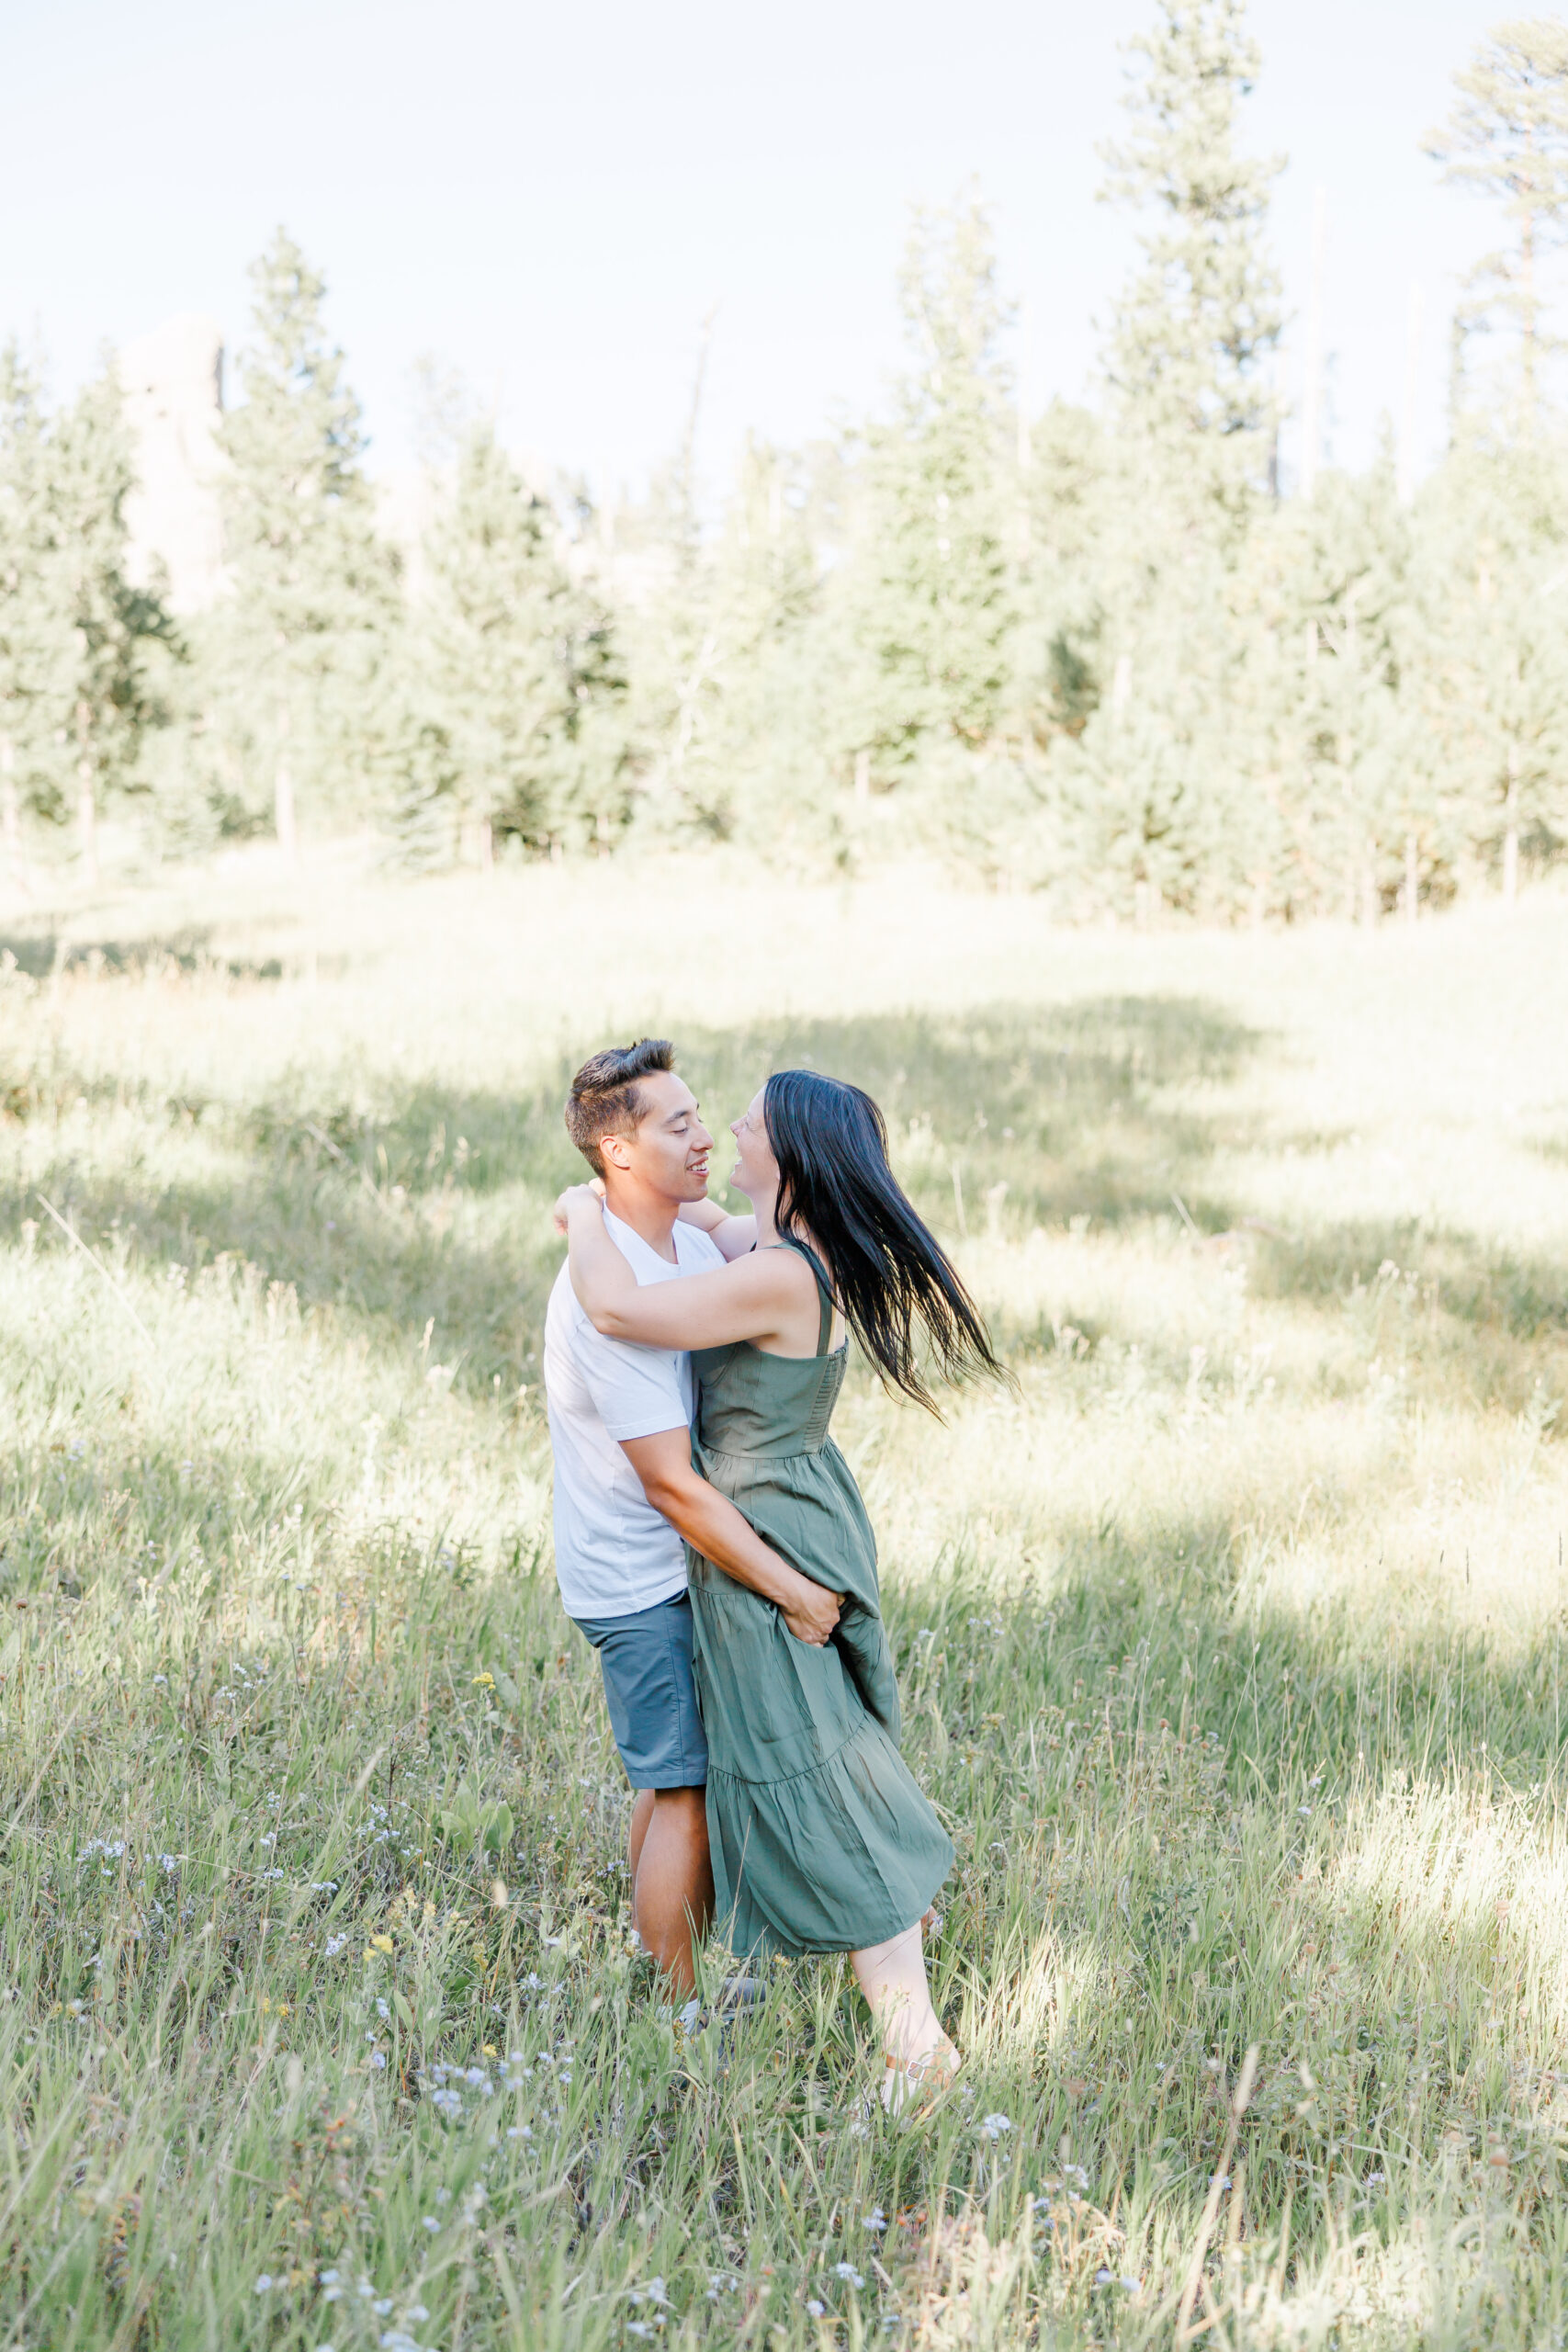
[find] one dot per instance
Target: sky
(552, 199)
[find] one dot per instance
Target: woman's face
(756, 1170)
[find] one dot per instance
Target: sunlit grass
(1230, 1644)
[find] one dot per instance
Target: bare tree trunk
(86, 797)
(487, 845)
(1511, 830)
(1369, 909)
(283, 792)
(1411, 878)
(863, 776)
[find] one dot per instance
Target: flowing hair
(889, 1274)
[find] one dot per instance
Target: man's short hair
(605, 1099)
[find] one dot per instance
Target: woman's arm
(734, 1235)
(751, 1299)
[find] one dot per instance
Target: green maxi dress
(821, 1839)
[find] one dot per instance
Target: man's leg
(671, 1879)
(642, 1814)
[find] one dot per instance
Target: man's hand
(576, 1193)
(812, 1617)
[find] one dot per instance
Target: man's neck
(651, 1217)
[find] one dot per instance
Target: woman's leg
(892, 1978)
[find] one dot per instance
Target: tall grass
(1231, 1647)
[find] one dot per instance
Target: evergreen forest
(1104, 653)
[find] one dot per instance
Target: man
(627, 1498)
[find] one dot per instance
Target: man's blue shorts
(646, 1660)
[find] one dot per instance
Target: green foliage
(1196, 320)
(515, 672)
(1507, 139)
(931, 603)
(1098, 653)
(471, 1827)
(301, 638)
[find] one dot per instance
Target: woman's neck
(764, 1204)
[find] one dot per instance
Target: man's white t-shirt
(615, 1554)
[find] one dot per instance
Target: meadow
(1230, 1639)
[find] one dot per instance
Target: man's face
(668, 1149)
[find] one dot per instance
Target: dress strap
(824, 1288)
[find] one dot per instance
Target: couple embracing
(710, 1539)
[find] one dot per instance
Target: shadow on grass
(435, 1203)
(42, 955)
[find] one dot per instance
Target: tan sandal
(927, 2079)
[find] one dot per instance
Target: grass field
(1230, 1643)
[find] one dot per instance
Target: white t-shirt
(615, 1554)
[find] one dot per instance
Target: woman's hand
(574, 1193)
(812, 1612)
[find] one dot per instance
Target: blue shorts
(646, 1660)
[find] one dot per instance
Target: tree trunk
(283, 793)
(1411, 878)
(86, 797)
(863, 776)
(1369, 909)
(88, 822)
(487, 845)
(11, 814)
(1511, 830)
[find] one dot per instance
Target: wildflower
(382, 1943)
(382, 2010)
(335, 1944)
(417, 2312)
(993, 2126)
(875, 2219)
(263, 2284)
(378, 2058)
(817, 2310)
(847, 2270)
(483, 1681)
(431, 2223)
(329, 2278)
(638, 2328)
(382, 2307)
(520, 2132)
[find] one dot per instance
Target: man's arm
(712, 1525)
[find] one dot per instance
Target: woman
(821, 1840)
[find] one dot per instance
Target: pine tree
(112, 623)
(1507, 138)
(1496, 622)
(313, 592)
(1199, 318)
(934, 609)
(516, 667)
(37, 650)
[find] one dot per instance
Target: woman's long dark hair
(889, 1274)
